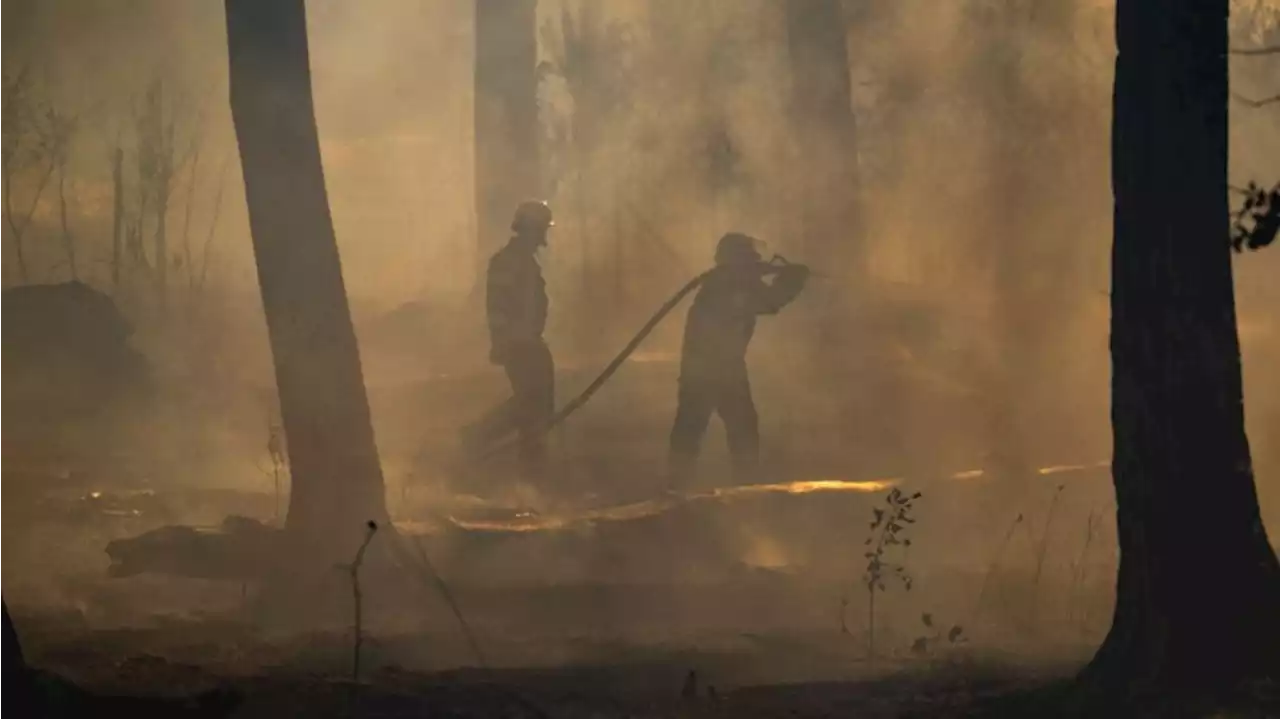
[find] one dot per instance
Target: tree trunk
(506, 119)
(823, 126)
(164, 187)
(1198, 593)
(337, 480)
(68, 240)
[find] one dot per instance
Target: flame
(529, 522)
(806, 486)
(1059, 469)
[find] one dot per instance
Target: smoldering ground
(978, 326)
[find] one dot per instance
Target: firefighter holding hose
(713, 363)
(516, 305)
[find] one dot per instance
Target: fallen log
(242, 549)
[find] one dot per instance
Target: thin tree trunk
(164, 186)
(135, 237)
(68, 240)
(18, 229)
(1198, 592)
(19, 250)
(337, 480)
(117, 216)
(186, 220)
(213, 226)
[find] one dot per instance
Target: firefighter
(713, 362)
(516, 306)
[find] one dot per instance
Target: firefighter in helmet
(713, 364)
(516, 306)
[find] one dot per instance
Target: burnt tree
(1198, 592)
(506, 119)
(337, 480)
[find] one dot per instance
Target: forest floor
(310, 676)
(305, 677)
(561, 632)
(761, 641)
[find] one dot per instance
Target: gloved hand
(793, 274)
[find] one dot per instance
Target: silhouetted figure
(713, 364)
(516, 302)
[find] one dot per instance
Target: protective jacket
(516, 301)
(722, 319)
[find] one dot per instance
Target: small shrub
(888, 526)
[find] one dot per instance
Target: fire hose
(771, 267)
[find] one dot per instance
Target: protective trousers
(728, 395)
(530, 370)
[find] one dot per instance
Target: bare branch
(1255, 103)
(1255, 51)
(213, 223)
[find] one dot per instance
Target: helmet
(737, 247)
(532, 214)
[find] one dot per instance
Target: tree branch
(1255, 51)
(1255, 103)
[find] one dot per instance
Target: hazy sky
(392, 81)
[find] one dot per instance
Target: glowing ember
(1059, 469)
(810, 485)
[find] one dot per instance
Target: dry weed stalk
(888, 525)
(357, 596)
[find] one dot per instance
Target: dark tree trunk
(337, 480)
(824, 126)
(506, 118)
(1198, 593)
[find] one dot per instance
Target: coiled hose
(563, 413)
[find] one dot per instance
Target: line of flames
(639, 510)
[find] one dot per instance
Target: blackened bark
(1198, 593)
(506, 118)
(337, 480)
